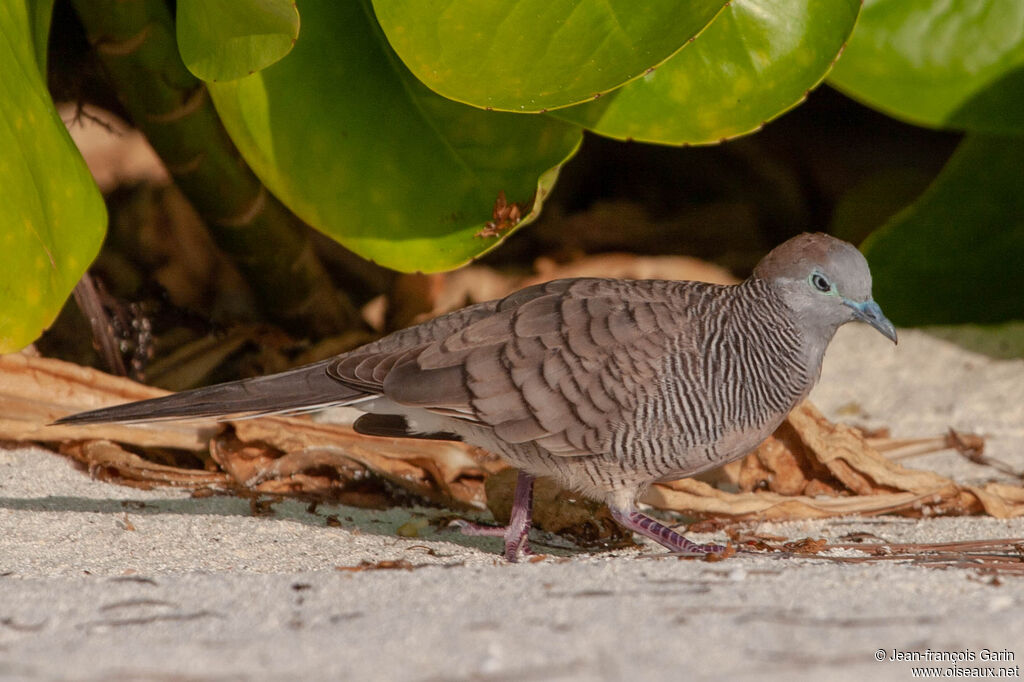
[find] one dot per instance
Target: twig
(88, 299)
(968, 444)
(1001, 556)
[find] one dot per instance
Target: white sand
(101, 582)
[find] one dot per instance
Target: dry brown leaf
(806, 546)
(1000, 500)
(690, 495)
(110, 462)
(629, 266)
(385, 565)
(440, 471)
(812, 468)
(35, 391)
(843, 450)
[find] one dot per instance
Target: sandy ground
(100, 582)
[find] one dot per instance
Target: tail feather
(302, 389)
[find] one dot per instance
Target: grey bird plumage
(604, 385)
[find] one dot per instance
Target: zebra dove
(604, 385)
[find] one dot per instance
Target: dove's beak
(868, 311)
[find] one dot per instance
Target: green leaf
(535, 55)
(352, 143)
(1005, 340)
(943, 64)
(955, 254)
(40, 15)
(222, 40)
(52, 214)
(756, 61)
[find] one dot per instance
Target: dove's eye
(820, 282)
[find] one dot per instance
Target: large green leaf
(351, 142)
(40, 13)
(956, 254)
(226, 39)
(535, 55)
(52, 214)
(957, 63)
(757, 60)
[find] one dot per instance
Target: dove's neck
(788, 335)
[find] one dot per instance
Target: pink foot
(517, 531)
(663, 535)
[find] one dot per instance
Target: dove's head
(825, 281)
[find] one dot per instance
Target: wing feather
(560, 364)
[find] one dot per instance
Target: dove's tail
(302, 389)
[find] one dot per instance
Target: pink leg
(516, 533)
(645, 525)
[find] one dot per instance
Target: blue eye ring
(820, 282)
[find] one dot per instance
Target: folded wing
(562, 364)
